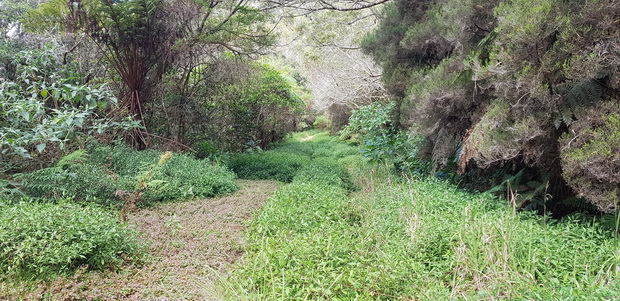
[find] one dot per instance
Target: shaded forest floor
(192, 245)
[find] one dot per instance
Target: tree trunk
(137, 138)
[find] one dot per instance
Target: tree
(46, 107)
(298, 7)
(11, 14)
(323, 48)
(144, 39)
(516, 93)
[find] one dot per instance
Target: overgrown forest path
(192, 245)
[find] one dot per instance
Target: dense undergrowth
(340, 229)
(513, 92)
(63, 217)
(408, 238)
(324, 160)
(38, 240)
(106, 175)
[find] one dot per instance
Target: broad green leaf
(25, 115)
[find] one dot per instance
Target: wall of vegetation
(519, 93)
(95, 96)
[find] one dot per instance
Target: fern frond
(44, 182)
(72, 158)
(580, 94)
(611, 221)
(578, 203)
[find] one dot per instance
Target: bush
(322, 123)
(591, 158)
(269, 165)
(97, 177)
(181, 177)
(246, 105)
(84, 181)
(123, 160)
(382, 141)
(46, 107)
(47, 239)
(184, 176)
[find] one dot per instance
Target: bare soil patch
(304, 139)
(193, 244)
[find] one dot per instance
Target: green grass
(58, 224)
(307, 156)
(269, 165)
(42, 240)
(416, 239)
(186, 177)
(326, 171)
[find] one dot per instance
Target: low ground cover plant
(107, 174)
(425, 240)
(421, 239)
(184, 176)
(61, 219)
(305, 156)
(326, 171)
(268, 165)
(38, 240)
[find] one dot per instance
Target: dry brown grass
(192, 245)
(304, 139)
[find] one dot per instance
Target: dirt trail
(193, 243)
(306, 138)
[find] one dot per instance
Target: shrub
(47, 239)
(85, 182)
(110, 169)
(591, 159)
(269, 165)
(246, 105)
(183, 176)
(322, 123)
(45, 107)
(496, 83)
(338, 116)
(382, 141)
(123, 160)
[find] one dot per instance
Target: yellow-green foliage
(40, 240)
(498, 81)
(422, 240)
(489, 140)
(99, 176)
(310, 156)
(322, 122)
(496, 138)
(524, 20)
(591, 160)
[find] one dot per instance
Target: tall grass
(421, 239)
